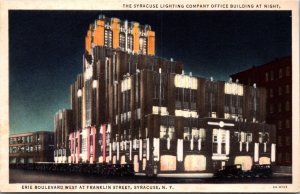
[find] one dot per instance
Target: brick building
(31, 147)
(276, 77)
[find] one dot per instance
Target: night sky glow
(46, 48)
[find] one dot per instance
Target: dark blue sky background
(46, 47)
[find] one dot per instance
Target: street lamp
(95, 84)
(79, 93)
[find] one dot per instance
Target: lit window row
(185, 81)
(21, 140)
(234, 89)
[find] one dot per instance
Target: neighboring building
(63, 124)
(276, 77)
(31, 147)
(134, 107)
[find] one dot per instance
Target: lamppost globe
(95, 84)
(79, 93)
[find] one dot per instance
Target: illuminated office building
(130, 106)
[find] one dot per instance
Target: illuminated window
(168, 163)
(138, 113)
(263, 137)
(186, 133)
(163, 132)
(245, 161)
(171, 132)
(167, 132)
(243, 137)
(249, 137)
(236, 136)
(108, 38)
(266, 137)
(194, 163)
(219, 136)
(122, 41)
(130, 42)
(143, 45)
(195, 133)
(185, 81)
(202, 133)
(214, 115)
(223, 137)
(215, 138)
(264, 160)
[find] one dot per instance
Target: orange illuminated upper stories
(99, 33)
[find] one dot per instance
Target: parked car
(264, 170)
(232, 171)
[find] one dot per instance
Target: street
(22, 176)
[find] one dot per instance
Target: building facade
(31, 147)
(63, 124)
(276, 77)
(134, 107)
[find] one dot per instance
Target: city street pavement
(22, 176)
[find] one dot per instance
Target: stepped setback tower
(130, 106)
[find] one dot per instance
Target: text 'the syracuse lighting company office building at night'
(130, 106)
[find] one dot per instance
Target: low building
(31, 147)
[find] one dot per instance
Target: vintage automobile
(235, 171)
(264, 170)
(82, 168)
(232, 171)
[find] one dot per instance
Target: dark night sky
(46, 50)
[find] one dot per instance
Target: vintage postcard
(140, 96)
